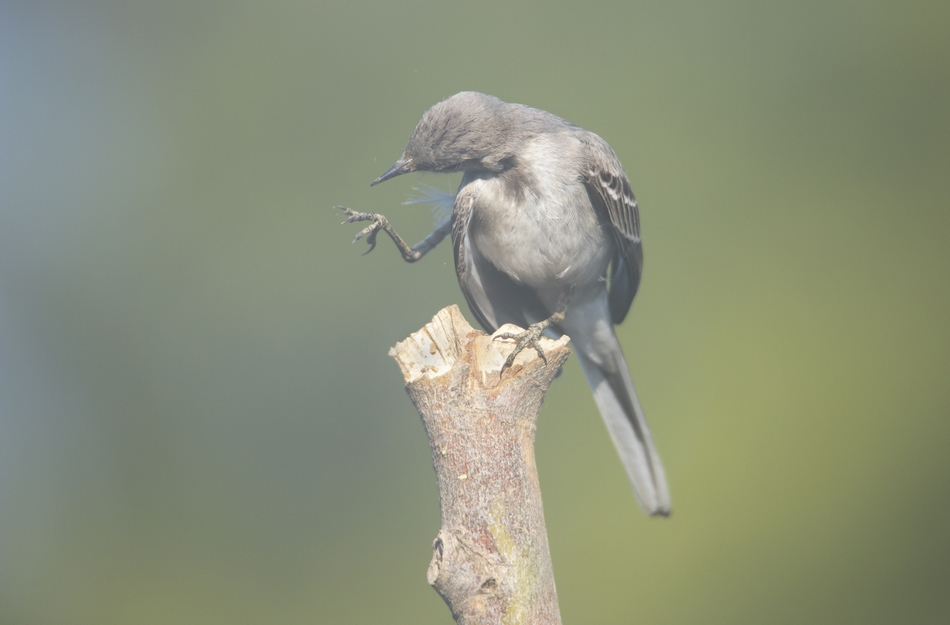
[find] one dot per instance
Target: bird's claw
(370, 231)
(528, 338)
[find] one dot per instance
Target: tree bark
(490, 563)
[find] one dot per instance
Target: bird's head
(469, 130)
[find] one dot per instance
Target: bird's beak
(403, 166)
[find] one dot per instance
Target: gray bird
(544, 208)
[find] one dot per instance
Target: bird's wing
(465, 268)
(614, 202)
(492, 295)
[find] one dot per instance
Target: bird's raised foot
(370, 231)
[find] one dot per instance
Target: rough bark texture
(490, 561)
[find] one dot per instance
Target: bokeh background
(198, 419)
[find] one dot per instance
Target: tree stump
(490, 563)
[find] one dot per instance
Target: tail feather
(609, 379)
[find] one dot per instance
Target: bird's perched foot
(528, 338)
(370, 231)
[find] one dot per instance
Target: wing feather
(614, 201)
(492, 295)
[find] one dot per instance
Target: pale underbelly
(546, 256)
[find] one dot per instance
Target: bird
(545, 233)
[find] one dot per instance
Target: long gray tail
(616, 398)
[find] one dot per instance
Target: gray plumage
(543, 210)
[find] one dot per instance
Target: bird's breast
(544, 234)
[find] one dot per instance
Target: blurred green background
(198, 419)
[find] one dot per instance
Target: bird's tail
(616, 398)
